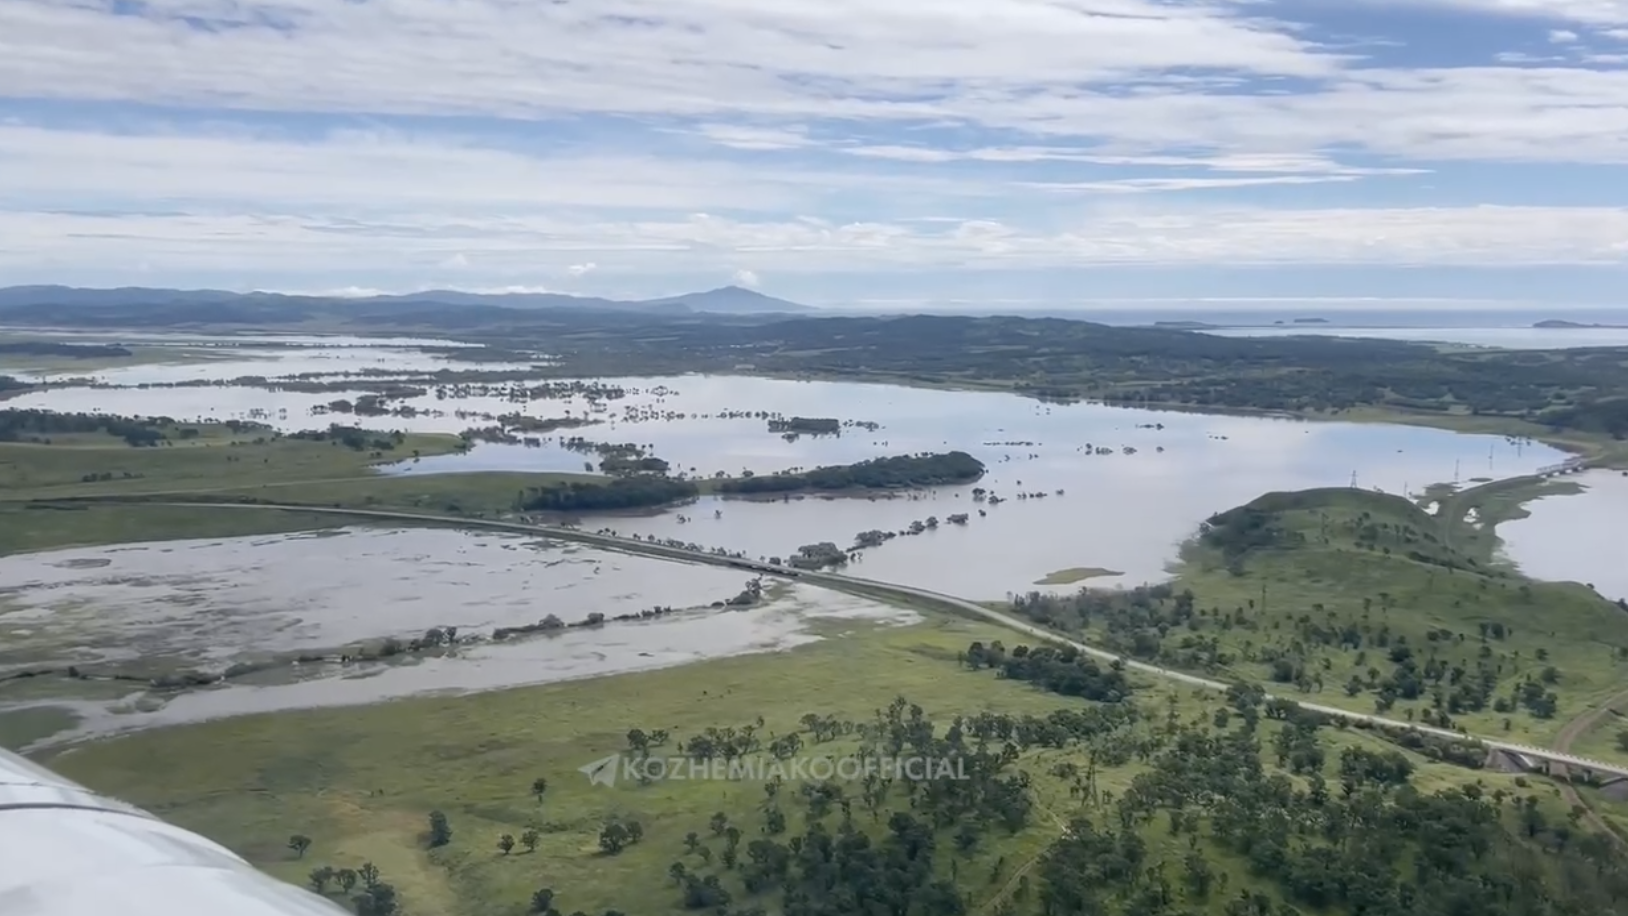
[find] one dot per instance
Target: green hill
(1365, 601)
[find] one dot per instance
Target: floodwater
(1118, 510)
(1576, 537)
(210, 602)
(269, 356)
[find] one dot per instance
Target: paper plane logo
(602, 772)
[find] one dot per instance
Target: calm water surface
(1119, 511)
(215, 601)
(207, 603)
(1581, 537)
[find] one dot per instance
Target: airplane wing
(66, 851)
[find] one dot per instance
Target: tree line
(896, 472)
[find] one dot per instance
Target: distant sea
(1509, 329)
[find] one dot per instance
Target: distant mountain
(730, 300)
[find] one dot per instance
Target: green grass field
(362, 781)
(99, 464)
(1337, 601)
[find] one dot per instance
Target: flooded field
(1579, 537)
(170, 358)
(1079, 485)
(210, 603)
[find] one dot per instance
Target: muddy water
(1577, 537)
(207, 603)
(211, 602)
(268, 356)
(1135, 482)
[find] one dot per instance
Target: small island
(814, 426)
(1561, 324)
(895, 473)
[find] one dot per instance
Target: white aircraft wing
(66, 851)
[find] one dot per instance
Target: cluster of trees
(1238, 531)
(1064, 670)
(1605, 415)
(814, 426)
(1369, 843)
(10, 383)
(891, 837)
(53, 348)
(354, 438)
(897, 472)
(376, 897)
(33, 425)
(620, 493)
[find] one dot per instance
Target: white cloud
(682, 57)
(747, 278)
(813, 131)
(1056, 69)
(1582, 11)
(1469, 236)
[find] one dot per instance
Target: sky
(857, 153)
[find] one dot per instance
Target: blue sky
(845, 152)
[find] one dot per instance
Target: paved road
(873, 588)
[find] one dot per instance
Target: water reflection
(211, 602)
(546, 659)
(1125, 509)
(1581, 537)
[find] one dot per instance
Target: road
(875, 589)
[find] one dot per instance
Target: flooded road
(1074, 487)
(1134, 483)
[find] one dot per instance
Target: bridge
(1524, 753)
(1570, 466)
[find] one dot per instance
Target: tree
(346, 878)
(506, 843)
(299, 842)
(614, 838)
(529, 839)
(538, 787)
(320, 877)
(369, 874)
(440, 829)
(1622, 740)
(378, 900)
(542, 901)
